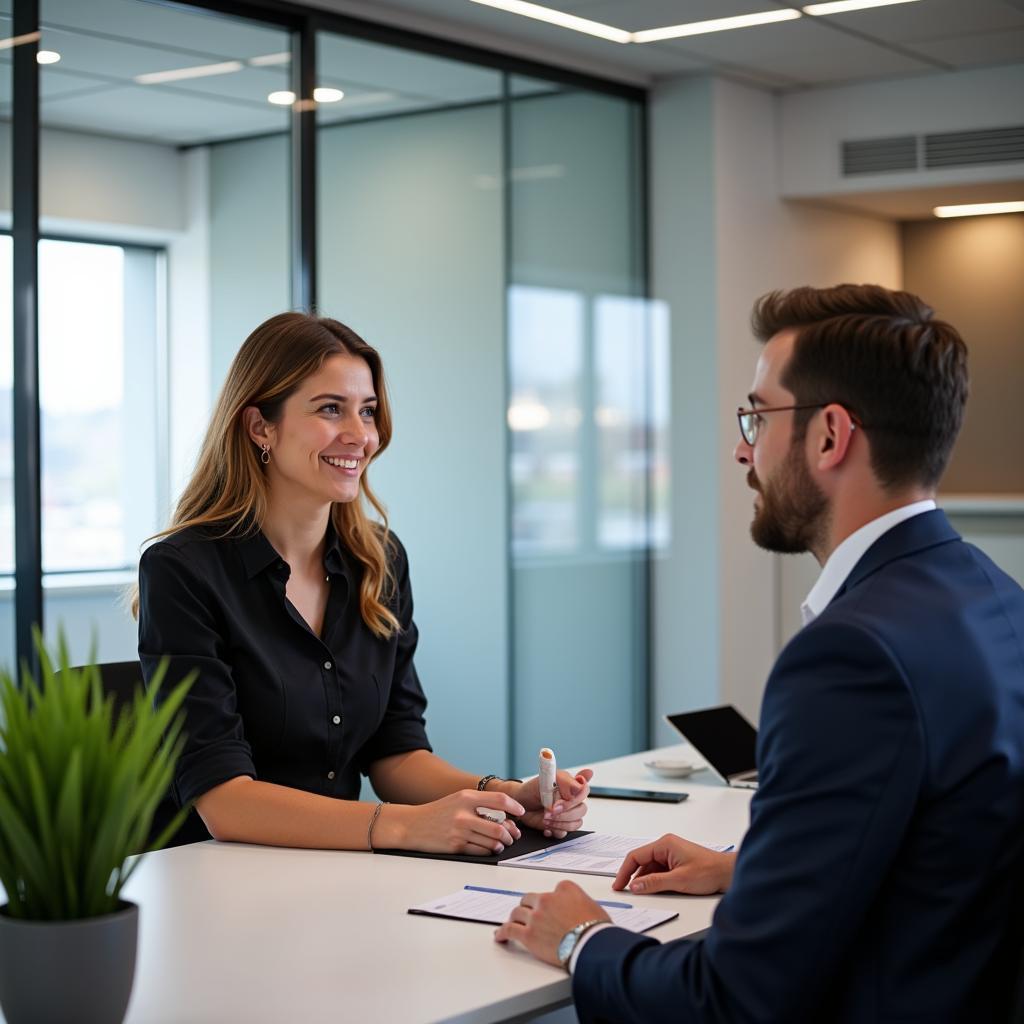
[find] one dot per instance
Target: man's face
(790, 509)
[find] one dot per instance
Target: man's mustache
(752, 482)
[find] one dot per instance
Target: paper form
(493, 906)
(598, 853)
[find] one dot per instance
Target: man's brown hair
(882, 356)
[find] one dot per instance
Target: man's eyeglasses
(750, 419)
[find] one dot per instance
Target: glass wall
(579, 419)
(410, 235)
(484, 232)
(168, 242)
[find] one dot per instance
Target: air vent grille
(876, 156)
(959, 149)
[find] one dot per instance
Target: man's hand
(671, 864)
(541, 920)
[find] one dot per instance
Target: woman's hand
(449, 825)
(671, 864)
(566, 814)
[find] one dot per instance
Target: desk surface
(235, 932)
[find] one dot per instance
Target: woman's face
(326, 435)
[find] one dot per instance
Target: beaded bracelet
(482, 784)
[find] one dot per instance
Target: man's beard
(793, 516)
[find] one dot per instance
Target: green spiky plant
(79, 784)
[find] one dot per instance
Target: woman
(296, 610)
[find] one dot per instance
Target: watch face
(566, 946)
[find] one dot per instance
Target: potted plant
(79, 783)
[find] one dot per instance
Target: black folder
(531, 841)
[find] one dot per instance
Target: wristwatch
(570, 938)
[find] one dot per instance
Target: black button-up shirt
(272, 699)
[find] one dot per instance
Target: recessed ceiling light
(552, 17)
(282, 98)
(47, 57)
(200, 71)
(978, 209)
(696, 28)
(322, 94)
(842, 6)
(268, 60)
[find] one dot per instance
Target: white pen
(548, 786)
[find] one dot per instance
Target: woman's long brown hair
(228, 488)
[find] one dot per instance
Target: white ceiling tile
(1005, 47)
(133, 111)
(931, 19)
(802, 50)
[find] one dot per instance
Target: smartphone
(613, 793)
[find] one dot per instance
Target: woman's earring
(265, 454)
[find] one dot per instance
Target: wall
(107, 188)
(970, 269)
(715, 163)
(814, 122)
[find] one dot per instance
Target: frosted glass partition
(410, 237)
(580, 419)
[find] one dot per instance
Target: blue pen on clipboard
(515, 892)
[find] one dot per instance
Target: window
(99, 343)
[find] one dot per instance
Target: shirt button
(327, 665)
(336, 719)
(330, 775)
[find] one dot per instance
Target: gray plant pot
(68, 972)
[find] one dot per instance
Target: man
(886, 839)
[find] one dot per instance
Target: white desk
(246, 933)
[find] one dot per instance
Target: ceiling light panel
(697, 28)
(978, 209)
(844, 6)
(559, 18)
(226, 67)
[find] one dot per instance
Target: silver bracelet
(373, 821)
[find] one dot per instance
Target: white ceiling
(105, 43)
(904, 39)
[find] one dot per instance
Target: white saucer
(672, 769)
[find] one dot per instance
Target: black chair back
(122, 679)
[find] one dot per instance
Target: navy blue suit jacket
(885, 841)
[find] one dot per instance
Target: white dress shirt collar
(841, 562)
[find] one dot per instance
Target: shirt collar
(258, 553)
(841, 562)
